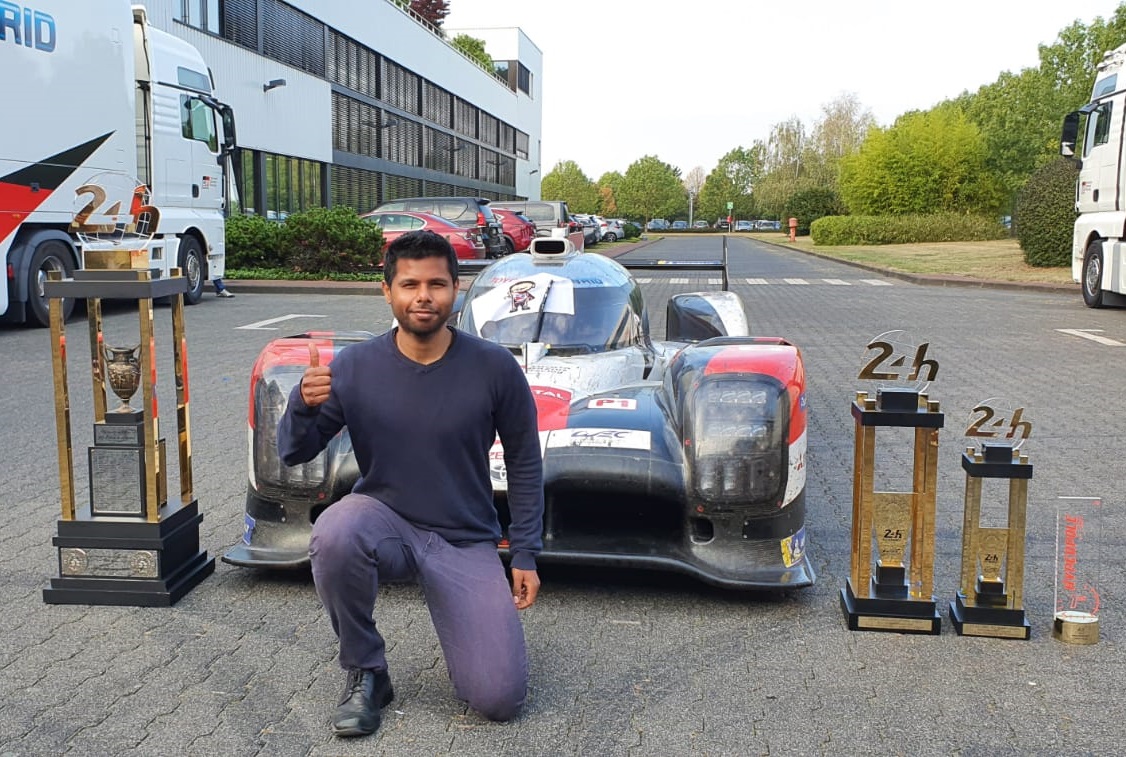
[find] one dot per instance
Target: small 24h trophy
(130, 546)
(893, 590)
(989, 600)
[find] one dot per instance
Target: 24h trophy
(129, 545)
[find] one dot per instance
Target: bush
(330, 240)
(938, 227)
(1045, 214)
(252, 242)
(630, 231)
(807, 205)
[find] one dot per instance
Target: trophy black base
(896, 615)
(996, 622)
(129, 562)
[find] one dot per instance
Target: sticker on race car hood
(612, 403)
(533, 294)
(619, 438)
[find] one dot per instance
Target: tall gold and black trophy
(128, 545)
(891, 581)
(989, 602)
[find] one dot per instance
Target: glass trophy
(1078, 583)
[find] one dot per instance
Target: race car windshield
(602, 320)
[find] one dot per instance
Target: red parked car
(466, 242)
(519, 230)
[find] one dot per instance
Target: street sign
(730, 205)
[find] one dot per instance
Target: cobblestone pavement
(623, 663)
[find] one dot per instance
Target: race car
(685, 455)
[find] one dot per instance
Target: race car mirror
(891, 581)
(129, 546)
(989, 599)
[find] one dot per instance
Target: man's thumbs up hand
(316, 383)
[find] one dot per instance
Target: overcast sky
(689, 81)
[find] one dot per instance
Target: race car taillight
(268, 472)
(737, 443)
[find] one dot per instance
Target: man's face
(422, 295)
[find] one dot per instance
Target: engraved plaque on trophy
(990, 596)
(890, 584)
(1078, 581)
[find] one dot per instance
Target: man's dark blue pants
(359, 542)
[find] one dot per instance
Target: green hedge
(911, 229)
(314, 241)
(1045, 214)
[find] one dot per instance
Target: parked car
(591, 232)
(722, 224)
(468, 212)
(744, 226)
(612, 230)
(763, 225)
(700, 224)
(467, 243)
(680, 225)
(657, 224)
(519, 230)
(546, 214)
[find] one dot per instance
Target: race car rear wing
(467, 268)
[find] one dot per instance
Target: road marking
(798, 282)
(680, 281)
(264, 325)
(837, 282)
(759, 282)
(644, 281)
(1093, 335)
(877, 282)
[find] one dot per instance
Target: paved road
(623, 664)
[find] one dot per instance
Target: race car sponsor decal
(247, 529)
(552, 406)
(795, 482)
(619, 438)
(612, 403)
(498, 472)
(541, 292)
(793, 548)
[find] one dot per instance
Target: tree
(927, 162)
(434, 11)
(807, 205)
(782, 164)
(1045, 214)
(568, 183)
(841, 130)
(693, 183)
(733, 180)
(651, 189)
(607, 193)
(475, 49)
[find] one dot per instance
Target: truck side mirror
(1070, 134)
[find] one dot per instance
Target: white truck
(92, 90)
(1098, 248)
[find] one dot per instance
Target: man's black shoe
(366, 692)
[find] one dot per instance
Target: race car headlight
(737, 442)
(271, 394)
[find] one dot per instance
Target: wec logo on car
(27, 27)
(620, 438)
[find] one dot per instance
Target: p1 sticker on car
(612, 403)
(247, 529)
(617, 438)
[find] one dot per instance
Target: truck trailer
(1098, 249)
(93, 91)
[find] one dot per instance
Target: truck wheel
(51, 255)
(193, 268)
(1093, 275)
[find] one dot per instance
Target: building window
(292, 184)
(521, 145)
(202, 14)
(293, 37)
(524, 80)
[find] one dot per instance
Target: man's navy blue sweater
(422, 435)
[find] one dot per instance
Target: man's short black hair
(416, 245)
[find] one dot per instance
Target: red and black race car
(683, 455)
